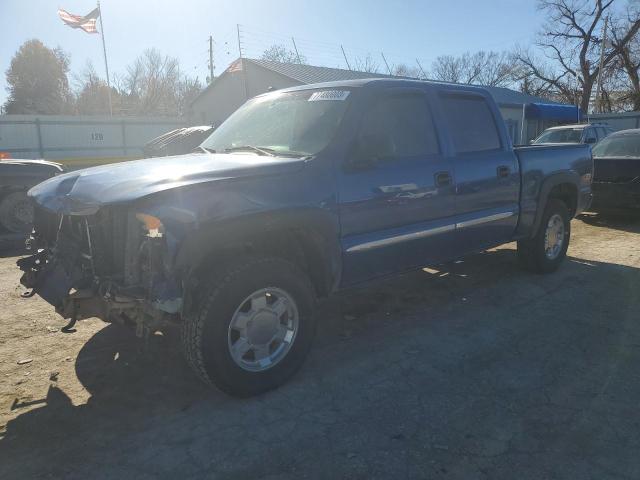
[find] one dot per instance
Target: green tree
(37, 80)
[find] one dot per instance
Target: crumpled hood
(83, 192)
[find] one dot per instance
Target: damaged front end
(113, 264)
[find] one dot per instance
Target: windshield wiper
(258, 150)
(205, 149)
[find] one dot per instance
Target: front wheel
(253, 327)
(547, 249)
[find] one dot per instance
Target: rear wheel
(253, 327)
(16, 212)
(547, 249)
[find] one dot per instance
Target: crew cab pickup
(300, 193)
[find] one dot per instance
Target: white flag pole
(106, 65)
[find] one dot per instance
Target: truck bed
(541, 163)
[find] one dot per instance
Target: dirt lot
(478, 370)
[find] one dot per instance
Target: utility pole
(385, 62)
(424, 75)
(345, 57)
(211, 68)
(598, 107)
(296, 49)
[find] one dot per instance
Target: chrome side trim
(385, 242)
(481, 220)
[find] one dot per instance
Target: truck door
(396, 189)
(486, 170)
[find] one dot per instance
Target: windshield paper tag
(339, 95)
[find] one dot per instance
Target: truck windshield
(562, 135)
(618, 146)
(286, 124)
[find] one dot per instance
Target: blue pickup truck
(300, 193)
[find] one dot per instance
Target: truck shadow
(148, 394)
(625, 221)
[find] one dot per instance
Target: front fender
(314, 230)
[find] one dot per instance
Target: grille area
(104, 235)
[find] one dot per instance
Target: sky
(403, 30)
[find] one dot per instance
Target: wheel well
(568, 193)
(301, 247)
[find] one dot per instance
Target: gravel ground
(474, 370)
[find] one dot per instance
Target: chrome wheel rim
(263, 329)
(554, 237)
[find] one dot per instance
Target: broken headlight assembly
(152, 225)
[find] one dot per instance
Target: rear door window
(471, 123)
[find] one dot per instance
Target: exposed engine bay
(112, 265)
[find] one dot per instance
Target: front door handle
(443, 179)
(503, 171)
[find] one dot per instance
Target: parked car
(177, 142)
(299, 194)
(16, 178)
(616, 173)
(581, 133)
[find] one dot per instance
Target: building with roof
(246, 78)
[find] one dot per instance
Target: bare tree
(404, 70)
(92, 93)
(447, 68)
(494, 69)
(627, 63)
(280, 53)
(571, 42)
(366, 64)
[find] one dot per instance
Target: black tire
(16, 212)
(205, 331)
(531, 252)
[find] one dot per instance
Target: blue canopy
(553, 111)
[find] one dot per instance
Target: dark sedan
(16, 177)
(616, 173)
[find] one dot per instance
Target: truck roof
(373, 82)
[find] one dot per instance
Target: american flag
(86, 23)
(235, 66)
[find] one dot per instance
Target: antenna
(424, 75)
(385, 62)
(345, 57)
(296, 49)
(211, 66)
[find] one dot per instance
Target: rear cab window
(471, 123)
(590, 135)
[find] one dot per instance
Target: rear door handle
(442, 179)
(503, 171)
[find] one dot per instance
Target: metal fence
(80, 140)
(618, 121)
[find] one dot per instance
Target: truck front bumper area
(77, 296)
